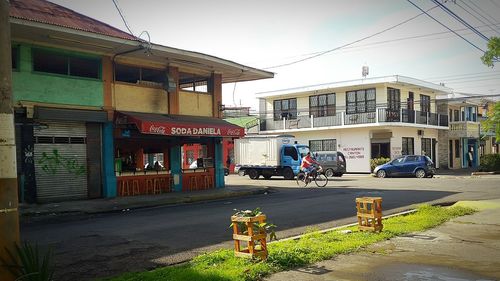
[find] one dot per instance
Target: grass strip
(222, 265)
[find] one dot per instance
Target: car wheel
(329, 173)
(253, 174)
(420, 173)
(381, 174)
(241, 173)
(288, 174)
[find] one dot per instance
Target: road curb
(110, 208)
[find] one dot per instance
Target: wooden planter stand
(255, 238)
(369, 213)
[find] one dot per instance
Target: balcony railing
(382, 115)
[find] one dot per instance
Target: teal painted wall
(176, 167)
(219, 163)
(109, 177)
(53, 88)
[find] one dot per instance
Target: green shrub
(378, 161)
(490, 163)
(28, 263)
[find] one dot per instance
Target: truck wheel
(253, 174)
(288, 174)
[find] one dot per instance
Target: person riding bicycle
(307, 165)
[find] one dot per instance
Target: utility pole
(9, 215)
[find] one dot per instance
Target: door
(409, 165)
(290, 157)
(60, 154)
(396, 168)
(380, 150)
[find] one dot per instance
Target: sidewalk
(95, 206)
(466, 248)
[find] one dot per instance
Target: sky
(268, 33)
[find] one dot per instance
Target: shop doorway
(381, 150)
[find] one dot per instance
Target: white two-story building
(366, 118)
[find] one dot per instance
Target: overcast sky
(266, 33)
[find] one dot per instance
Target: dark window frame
(357, 101)
(69, 60)
(323, 105)
(288, 113)
(425, 103)
(405, 146)
(331, 143)
(393, 99)
(140, 79)
(426, 143)
(16, 55)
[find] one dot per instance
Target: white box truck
(268, 155)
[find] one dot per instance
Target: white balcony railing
(301, 120)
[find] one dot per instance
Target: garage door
(60, 161)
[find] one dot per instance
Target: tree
(493, 120)
(493, 54)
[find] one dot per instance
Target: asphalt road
(110, 244)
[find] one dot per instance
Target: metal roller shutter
(61, 172)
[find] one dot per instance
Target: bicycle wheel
(301, 180)
(321, 180)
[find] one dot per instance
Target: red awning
(180, 125)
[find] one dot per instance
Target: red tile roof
(46, 12)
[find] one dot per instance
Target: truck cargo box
(260, 150)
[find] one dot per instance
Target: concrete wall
(354, 143)
(140, 98)
(197, 104)
(53, 88)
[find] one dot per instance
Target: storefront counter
(140, 183)
(197, 179)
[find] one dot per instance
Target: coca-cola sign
(172, 129)
(159, 130)
(233, 132)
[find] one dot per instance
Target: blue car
(410, 165)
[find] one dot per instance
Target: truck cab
(291, 156)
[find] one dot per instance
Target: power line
(348, 44)
(123, 17)
(455, 75)
(446, 26)
(388, 41)
(451, 13)
(479, 8)
(494, 30)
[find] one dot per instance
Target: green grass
(312, 247)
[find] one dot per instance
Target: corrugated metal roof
(49, 13)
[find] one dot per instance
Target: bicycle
(316, 175)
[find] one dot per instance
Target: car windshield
(303, 150)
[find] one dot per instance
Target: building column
(176, 166)
(174, 96)
(219, 163)
(108, 159)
